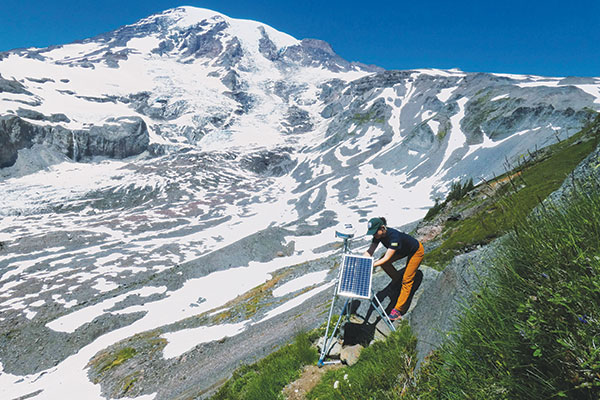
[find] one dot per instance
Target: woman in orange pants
(399, 245)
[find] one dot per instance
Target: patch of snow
(427, 115)
(70, 322)
(102, 285)
(183, 341)
(454, 72)
(434, 125)
(594, 90)
(457, 138)
(540, 83)
(295, 302)
(513, 76)
(144, 44)
(446, 93)
(503, 96)
(302, 282)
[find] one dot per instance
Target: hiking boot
(395, 315)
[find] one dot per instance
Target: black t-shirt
(405, 245)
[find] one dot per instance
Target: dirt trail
(311, 375)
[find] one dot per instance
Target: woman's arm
(371, 250)
(386, 257)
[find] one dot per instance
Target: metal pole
(323, 353)
(382, 313)
(326, 348)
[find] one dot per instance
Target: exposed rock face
(297, 121)
(12, 86)
(586, 173)
(266, 46)
(315, 52)
(269, 163)
(38, 116)
(15, 134)
(444, 298)
(161, 109)
(119, 138)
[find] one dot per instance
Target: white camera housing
(345, 231)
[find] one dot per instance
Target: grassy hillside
(266, 378)
(534, 331)
(493, 208)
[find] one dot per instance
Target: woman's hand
(386, 257)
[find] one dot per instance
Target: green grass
(370, 116)
(534, 332)
(118, 359)
(384, 369)
(266, 379)
(512, 204)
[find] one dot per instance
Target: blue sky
(552, 38)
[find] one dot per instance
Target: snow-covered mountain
(152, 174)
(187, 73)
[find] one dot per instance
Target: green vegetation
(383, 370)
(534, 331)
(458, 190)
(117, 359)
(249, 303)
(121, 364)
(129, 382)
(266, 378)
(525, 187)
(363, 118)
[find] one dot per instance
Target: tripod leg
(323, 353)
(379, 308)
(329, 340)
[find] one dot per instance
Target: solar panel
(355, 277)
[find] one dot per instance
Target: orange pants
(412, 263)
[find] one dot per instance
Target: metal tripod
(345, 314)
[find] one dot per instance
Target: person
(399, 245)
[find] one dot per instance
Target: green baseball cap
(374, 225)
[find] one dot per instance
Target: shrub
(458, 190)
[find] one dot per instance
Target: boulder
(442, 301)
(334, 351)
(350, 354)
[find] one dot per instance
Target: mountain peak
(184, 16)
